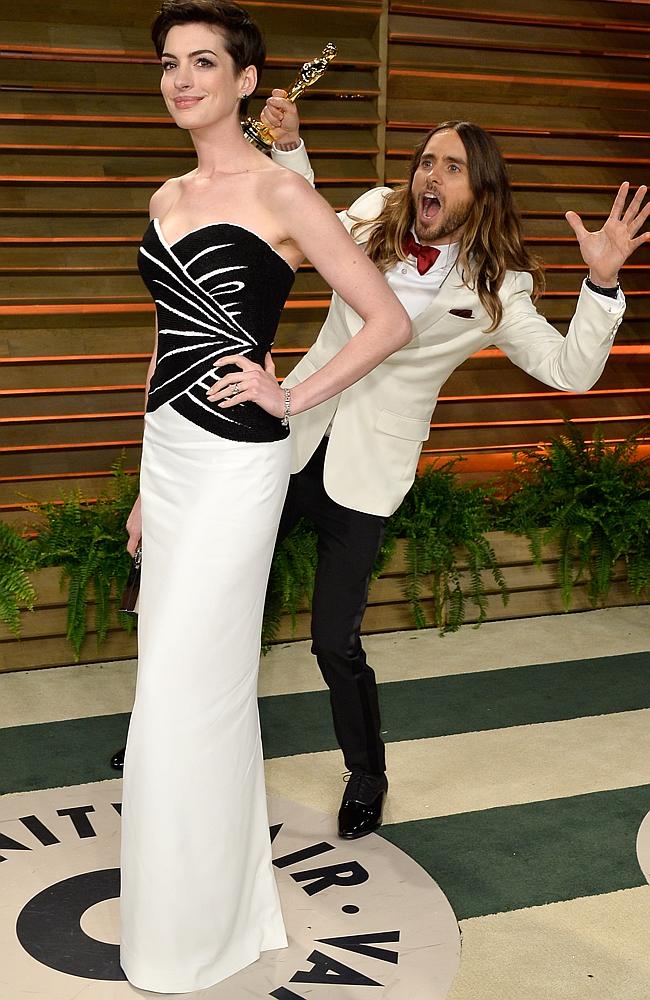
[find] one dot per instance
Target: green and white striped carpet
(519, 762)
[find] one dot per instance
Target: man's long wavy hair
(492, 238)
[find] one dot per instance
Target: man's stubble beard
(436, 232)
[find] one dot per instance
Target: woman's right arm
(134, 520)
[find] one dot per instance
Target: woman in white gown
(199, 900)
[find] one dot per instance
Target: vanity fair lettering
(80, 824)
(328, 970)
(64, 902)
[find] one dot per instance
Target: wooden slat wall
(565, 89)
(86, 140)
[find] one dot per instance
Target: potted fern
(445, 526)
(592, 501)
(587, 500)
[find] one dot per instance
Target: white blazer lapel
(453, 294)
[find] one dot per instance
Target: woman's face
(200, 83)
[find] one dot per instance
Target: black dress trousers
(348, 543)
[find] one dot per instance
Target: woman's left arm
(312, 224)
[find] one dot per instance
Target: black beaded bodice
(218, 291)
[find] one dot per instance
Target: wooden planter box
(533, 591)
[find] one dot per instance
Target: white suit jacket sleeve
(573, 363)
(294, 159)
(366, 207)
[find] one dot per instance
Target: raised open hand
(606, 250)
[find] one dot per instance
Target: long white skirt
(199, 900)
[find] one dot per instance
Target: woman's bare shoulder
(284, 187)
(162, 199)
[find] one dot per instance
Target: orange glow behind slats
(98, 88)
(71, 390)
(70, 418)
(490, 464)
(510, 17)
(133, 304)
(141, 180)
(50, 476)
(81, 308)
(465, 450)
(78, 150)
(501, 397)
(74, 446)
(533, 81)
(528, 130)
(622, 350)
(137, 120)
(65, 418)
(545, 186)
(132, 271)
(509, 449)
(544, 421)
(543, 158)
(494, 45)
(505, 397)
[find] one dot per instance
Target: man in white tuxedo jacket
(355, 456)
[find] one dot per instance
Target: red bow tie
(426, 256)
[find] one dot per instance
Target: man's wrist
(607, 287)
(603, 280)
(289, 144)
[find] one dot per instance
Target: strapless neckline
(219, 290)
(216, 225)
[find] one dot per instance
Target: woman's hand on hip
(253, 384)
(134, 527)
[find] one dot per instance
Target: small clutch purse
(132, 588)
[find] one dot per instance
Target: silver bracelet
(287, 407)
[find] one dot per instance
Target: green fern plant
(17, 557)
(445, 525)
(291, 582)
(87, 540)
(592, 500)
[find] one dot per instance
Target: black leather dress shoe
(117, 760)
(362, 805)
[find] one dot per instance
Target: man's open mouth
(430, 206)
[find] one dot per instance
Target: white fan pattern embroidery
(199, 304)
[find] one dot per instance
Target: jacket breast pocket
(401, 426)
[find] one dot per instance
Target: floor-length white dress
(199, 900)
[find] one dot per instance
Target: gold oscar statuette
(256, 131)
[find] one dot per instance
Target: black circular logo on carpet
(362, 917)
(49, 927)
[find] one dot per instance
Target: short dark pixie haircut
(244, 40)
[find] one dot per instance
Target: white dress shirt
(414, 290)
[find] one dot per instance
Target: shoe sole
(358, 836)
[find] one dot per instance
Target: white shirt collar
(447, 257)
